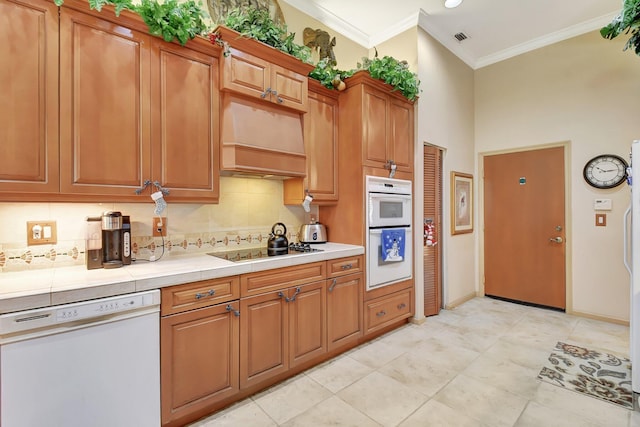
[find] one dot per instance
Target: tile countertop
(41, 288)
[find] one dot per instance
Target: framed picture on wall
(461, 203)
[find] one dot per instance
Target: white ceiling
(496, 29)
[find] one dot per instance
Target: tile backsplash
(247, 210)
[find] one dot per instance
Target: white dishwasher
(93, 363)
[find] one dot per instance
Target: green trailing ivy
(328, 75)
(182, 21)
(119, 5)
(394, 72)
(170, 20)
(257, 24)
(627, 21)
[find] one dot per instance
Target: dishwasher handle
(33, 318)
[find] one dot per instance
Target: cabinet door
(321, 145)
(264, 345)
(199, 359)
(29, 100)
(258, 78)
(184, 126)
(344, 309)
(321, 148)
(307, 322)
(374, 127)
(289, 89)
(246, 74)
(401, 134)
(104, 106)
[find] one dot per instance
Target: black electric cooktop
(256, 253)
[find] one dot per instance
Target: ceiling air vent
(460, 36)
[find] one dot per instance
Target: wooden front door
(524, 248)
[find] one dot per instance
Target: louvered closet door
(432, 215)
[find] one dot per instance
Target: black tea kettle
(278, 243)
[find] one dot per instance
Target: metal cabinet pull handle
(381, 313)
(347, 266)
(235, 312)
(556, 239)
(275, 93)
(210, 293)
(264, 94)
(293, 298)
(401, 306)
(333, 285)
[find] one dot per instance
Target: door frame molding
(566, 145)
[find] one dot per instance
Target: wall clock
(605, 171)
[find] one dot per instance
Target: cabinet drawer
(342, 266)
(280, 278)
(386, 310)
(176, 299)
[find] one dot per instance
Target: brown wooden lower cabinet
(386, 310)
(226, 338)
(344, 309)
(199, 359)
(281, 329)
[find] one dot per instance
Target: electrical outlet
(159, 228)
(42, 233)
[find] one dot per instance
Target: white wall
(446, 119)
(584, 90)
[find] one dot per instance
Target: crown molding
(546, 40)
(330, 20)
(393, 30)
(423, 20)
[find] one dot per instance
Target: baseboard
(598, 317)
(460, 301)
(417, 321)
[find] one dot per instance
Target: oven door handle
(378, 230)
(389, 197)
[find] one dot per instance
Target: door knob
(556, 239)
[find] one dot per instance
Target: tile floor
(475, 365)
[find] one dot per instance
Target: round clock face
(605, 171)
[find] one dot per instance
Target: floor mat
(591, 372)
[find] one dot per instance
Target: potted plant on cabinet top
(257, 24)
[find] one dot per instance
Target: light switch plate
(601, 220)
(42, 233)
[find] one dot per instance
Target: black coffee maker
(116, 239)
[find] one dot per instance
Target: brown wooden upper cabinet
(321, 148)
(259, 71)
(135, 110)
(385, 122)
(29, 100)
(185, 122)
(93, 107)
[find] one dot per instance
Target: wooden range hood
(259, 139)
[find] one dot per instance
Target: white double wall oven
(389, 231)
